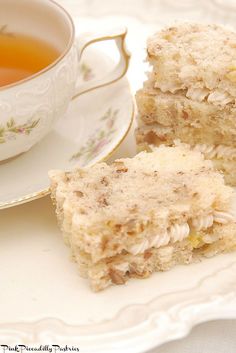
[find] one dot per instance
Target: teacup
(30, 107)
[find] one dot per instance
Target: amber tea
(22, 56)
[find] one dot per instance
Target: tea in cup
(39, 66)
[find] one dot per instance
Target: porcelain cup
(29, 108)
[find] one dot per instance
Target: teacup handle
(119, 70)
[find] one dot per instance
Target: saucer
(93, 127)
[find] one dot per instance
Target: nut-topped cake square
(190, 92)
(143, 214)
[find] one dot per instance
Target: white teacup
(34, 104)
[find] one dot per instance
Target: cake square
(196, 59)
(190, 93)
(143, 214)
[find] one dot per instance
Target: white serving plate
(42, 298)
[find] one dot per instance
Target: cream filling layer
(179, 232)
(197, 92)
(217, 96)
(213, 151)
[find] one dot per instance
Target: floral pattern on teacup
(100, 137)
(11, 130)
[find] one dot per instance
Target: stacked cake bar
(143, 214)
(190, 93)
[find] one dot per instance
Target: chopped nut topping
(133, 268)
(78, 193)
(123, 170)
(115, 246)
(104, 243)
(118, 227)
(102, 201)
(104, 181)
(117, 276)
(185, 115)
(120, 167)
(134, 272)
(147, 254)
(152, 138)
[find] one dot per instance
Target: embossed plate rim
(159, 326)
